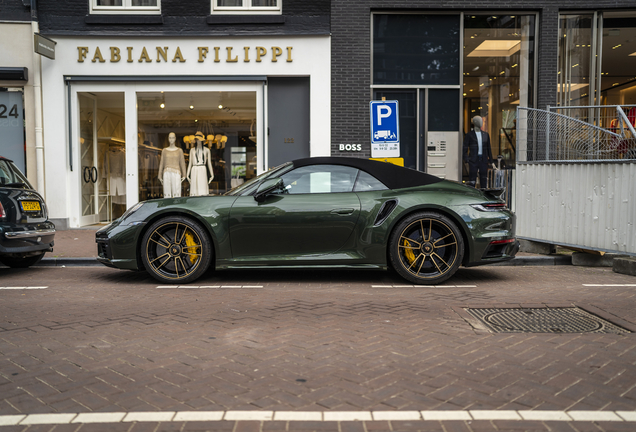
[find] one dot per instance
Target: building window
(125, 6)
(416, 49)
(248, 6)
(597, 59)
(498, 75)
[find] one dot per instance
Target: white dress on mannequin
(199, 173)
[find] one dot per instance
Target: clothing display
(115, 169)
(478, 154)
(171, 170)
(171, 183)
(199, 181)
(199, 159)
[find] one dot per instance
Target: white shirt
(478, 133)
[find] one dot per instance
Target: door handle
(342, 212)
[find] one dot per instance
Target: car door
(314, 214)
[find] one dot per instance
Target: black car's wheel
(426, 248)
(21, 262)
(176, 250)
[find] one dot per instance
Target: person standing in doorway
(477, 153)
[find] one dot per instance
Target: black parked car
(26, 234)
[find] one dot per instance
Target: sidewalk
(78, 247)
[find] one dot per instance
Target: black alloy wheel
(176, 250)
(426, 248)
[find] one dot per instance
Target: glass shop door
(89, 157)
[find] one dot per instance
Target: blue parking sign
(385, 129)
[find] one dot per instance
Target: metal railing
(544, 136)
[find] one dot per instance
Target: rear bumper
(26, 241)
(498, 253)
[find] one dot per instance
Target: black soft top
(393, 176)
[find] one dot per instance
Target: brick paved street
(104, 340)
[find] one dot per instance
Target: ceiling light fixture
(496, 48)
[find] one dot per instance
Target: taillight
(3, 214)
(489, 206)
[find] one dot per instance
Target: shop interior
(223, 122)
(498, 75)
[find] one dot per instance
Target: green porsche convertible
(317, 212)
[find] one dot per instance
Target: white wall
(16, 50)
(311, 56)
(589, 205)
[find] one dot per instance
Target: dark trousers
(481, 165)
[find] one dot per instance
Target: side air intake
(385, 211)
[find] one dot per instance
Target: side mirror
(267, 187)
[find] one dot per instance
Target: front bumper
(118, 241)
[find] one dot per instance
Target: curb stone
(518, 261)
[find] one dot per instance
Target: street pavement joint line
(23, 288)
(609, 285)
(423, 286)
(209, 286)
(305, 416)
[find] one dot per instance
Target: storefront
(445, 69)
(119, 113)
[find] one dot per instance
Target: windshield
(256, 180)
(10, 176)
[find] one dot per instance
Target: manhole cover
(543, 320)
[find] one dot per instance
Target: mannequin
(197, 173)
(477, 153)
(172, 168)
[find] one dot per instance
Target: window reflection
(498, 75)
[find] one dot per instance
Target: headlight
(131, 210)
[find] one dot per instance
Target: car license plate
(30, 205)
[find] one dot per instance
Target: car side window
(366, 182)
(320, 179)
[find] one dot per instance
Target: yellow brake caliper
(408, 253)
(191, 246)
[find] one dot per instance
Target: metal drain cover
(543, 320)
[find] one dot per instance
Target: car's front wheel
(176, 250)
(426, 248)
(21, 261)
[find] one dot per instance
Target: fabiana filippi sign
(166, 54)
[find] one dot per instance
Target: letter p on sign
(384, 111)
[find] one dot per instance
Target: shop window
(597, 60)
(195, 143)
(249, 6)
(618, 51)
(125, 6)
(499, 76)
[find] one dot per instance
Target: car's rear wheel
(21, 262)
(426, 248)
(176, 250)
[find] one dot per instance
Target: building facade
(19, 86)
(252, 76)
(446, 62)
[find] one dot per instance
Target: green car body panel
(318, 229)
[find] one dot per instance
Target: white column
(132, 152)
